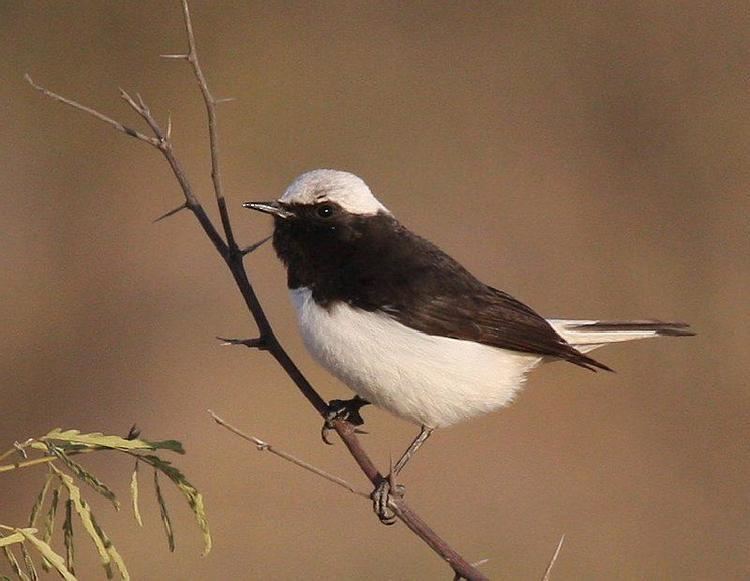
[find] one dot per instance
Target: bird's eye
(325, 210)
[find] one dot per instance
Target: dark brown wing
(493, 318)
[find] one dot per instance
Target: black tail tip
(661, 328)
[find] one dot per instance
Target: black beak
(274, 208)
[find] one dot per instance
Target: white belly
(429, 380)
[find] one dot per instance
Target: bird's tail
(588, 335)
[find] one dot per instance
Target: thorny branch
(233, 257)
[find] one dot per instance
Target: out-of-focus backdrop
(591, 159)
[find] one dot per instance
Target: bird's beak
(274, 208)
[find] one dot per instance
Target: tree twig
(233, 256)
(553, 560)
(101, 116)
(266, 447)
(210, 102)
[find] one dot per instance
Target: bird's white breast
(430, 380)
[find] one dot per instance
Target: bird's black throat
(364, 261)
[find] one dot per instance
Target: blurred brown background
(592, 159)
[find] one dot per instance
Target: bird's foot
(381, 497)
(343, 409)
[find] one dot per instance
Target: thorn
(183, 57)
(169, 125)
(254, 247)
(171, 212)
(258, 343)
(224, 100)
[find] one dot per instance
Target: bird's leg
(424, 433)
(387, 488)
(343, 409)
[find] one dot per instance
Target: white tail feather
(587, 335)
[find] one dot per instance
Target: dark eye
(325, 210)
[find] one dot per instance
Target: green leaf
(191, 494)
(84, 475)
(99, 440)
(114, 555)
(14, 563)
(48, 554)
(29, 563)
(171, 445)
(68, 536)
(49, 522)
(40, 500)
(166, 521)
(84, 513)
(11, 539)
(134, 494)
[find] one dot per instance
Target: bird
(405, 326)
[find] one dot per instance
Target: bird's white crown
(340, 187)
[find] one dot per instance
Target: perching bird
(404, 325)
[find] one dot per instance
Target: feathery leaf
(99, 440)
(134, 494)
(166, 521)
(40, 499)
(49, 555)
(84, 475)
(68, 536)
(84, 513)
(11, 539)
(191, 494)
(14, 562)
(114, 555)
(49, 522)
(33, 575)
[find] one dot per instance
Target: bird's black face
(321, 241)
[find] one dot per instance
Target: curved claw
(381, 499)
(324, 433)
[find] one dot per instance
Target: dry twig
(553, 560)
(233, 257)
(266, 447)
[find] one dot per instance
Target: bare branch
(70, 102)
(213, 135)
(553, 560)
(266, 447)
